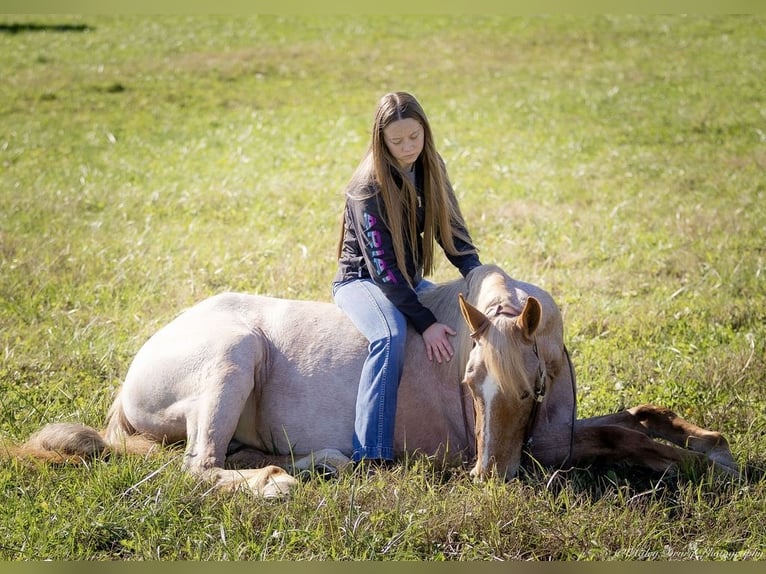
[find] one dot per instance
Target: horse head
(504, 374)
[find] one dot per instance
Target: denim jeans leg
(385, 328)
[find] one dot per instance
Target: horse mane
(502, 330)
(442, 300)
(487, 286)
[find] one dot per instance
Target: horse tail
(118, 428)
(63, 442)
(76, 443)
(121, 435)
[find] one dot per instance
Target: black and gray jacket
(368, 251)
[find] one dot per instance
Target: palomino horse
(258, 386)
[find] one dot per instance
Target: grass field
(619, 162)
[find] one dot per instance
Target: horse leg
(327, 461)
(267, 480)
(662, 423)
(213, 420)
(229, 407)
(206, 455)
(608, 442)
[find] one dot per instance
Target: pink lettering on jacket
(375, 244)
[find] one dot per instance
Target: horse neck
(442, 300)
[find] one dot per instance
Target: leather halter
(540, 389)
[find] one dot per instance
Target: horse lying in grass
(277, 379)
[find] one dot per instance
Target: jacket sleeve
(377, 248)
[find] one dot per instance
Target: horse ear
(477, 321)
(530, 317)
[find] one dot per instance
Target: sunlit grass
(146, 163)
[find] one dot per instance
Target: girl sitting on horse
(399, 202)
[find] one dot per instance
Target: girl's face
(404, 139)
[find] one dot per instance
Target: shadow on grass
(598, 481)
(754, 470)
(22, 27)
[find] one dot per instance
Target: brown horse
(258, 386)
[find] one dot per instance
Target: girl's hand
(437, 342)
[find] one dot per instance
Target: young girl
(398, 202)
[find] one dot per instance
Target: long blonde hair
(375, 173)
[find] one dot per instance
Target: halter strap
(540, 395)
(540, 390)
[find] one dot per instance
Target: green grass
(619, 162)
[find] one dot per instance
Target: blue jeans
(385, 328)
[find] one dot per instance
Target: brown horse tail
(75, 442)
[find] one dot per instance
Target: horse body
(280, 374)
(278, 379)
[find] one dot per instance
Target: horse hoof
(723, 461)
(326, 463)
(320, 471)
(276, 484)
